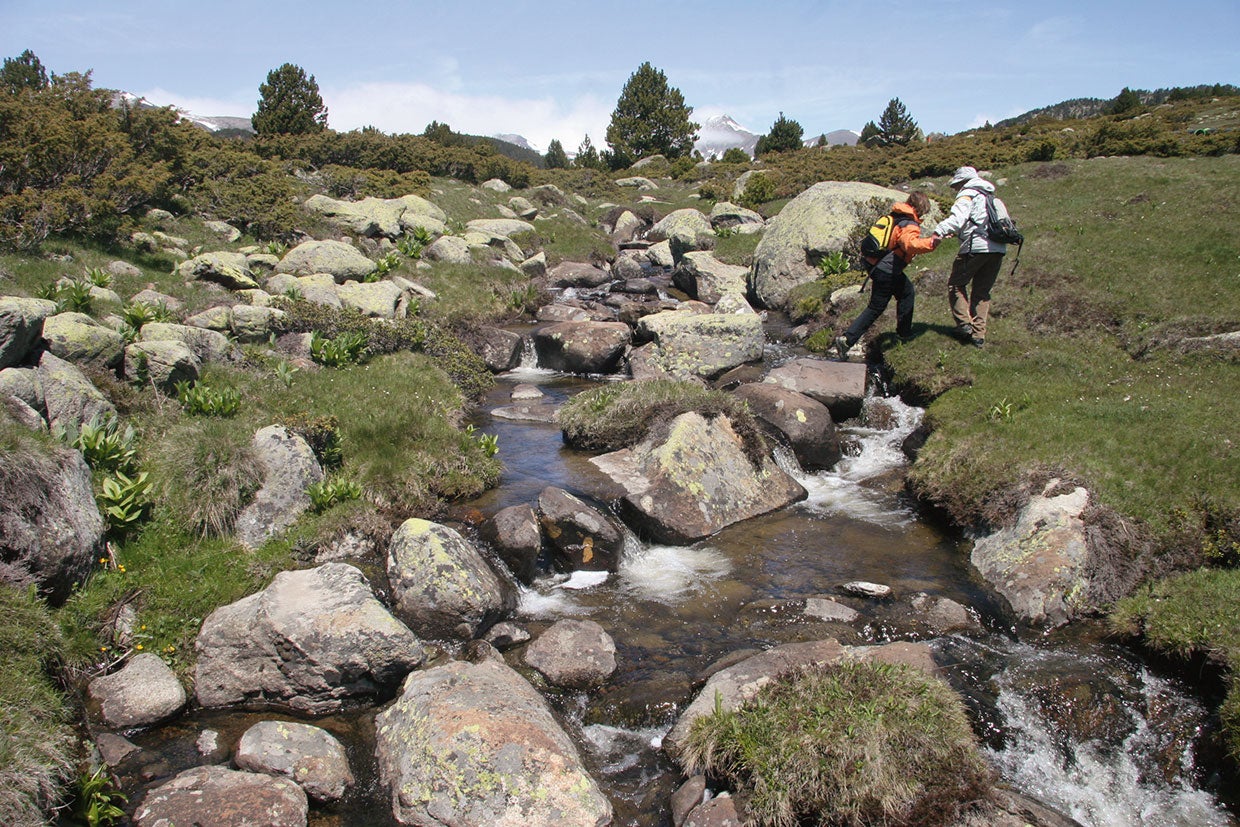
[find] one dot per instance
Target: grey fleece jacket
(967, 218)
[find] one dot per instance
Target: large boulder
(228, 269)
(162, 363)
(729, 216)
(380, 217)
(442, 586)
(838, 385)
(450, 249)
(21, 325)
(577, 274)
(214, 796)
(686, 231)
(582, 347)
(696, 481)
(51, 531)
(289, 468)
(1040, 564)
(707, 279)
(729, 688)
(304, 754)
(499, 348)
(809, 227)
(584, 538)
(145, 692)
(378, 300)
(255, 324)
(803, 423)
(313, 640)
(474, 745)
(208, 345)
(516, 536)
(688, 344)
(24, 384)
(69, 397)
(500, 226)
(78, 338)
(339, 260)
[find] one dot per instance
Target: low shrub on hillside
(859, 743)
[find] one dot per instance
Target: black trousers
(885, 285)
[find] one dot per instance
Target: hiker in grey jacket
(977, 264)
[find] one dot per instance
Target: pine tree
(785, 135)
(870, 135)
(895, 126)
(650, 118)
(1126, 101)
(289, 104)
(587, 156)
(556, 157)
(22, 72)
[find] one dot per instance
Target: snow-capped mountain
(518, 140)
(211, 123)
(721, 133)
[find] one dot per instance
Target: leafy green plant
(98, 277)
(275, 248)
(104, 444)
(1001, 411)
(384, 265)
(489, 442)
(834, 263)
(345, 349)
(284, 372)
(198, 399)
(725, 232)
(331, 490)
(98, 800)
(137, 314)
(758, 190)
(124, 500)
(322, 434)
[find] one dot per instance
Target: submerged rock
(474, 745)
(573, 653)
(221, 797)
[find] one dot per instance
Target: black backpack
(1000, 227)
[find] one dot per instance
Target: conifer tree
(587, 155)
(22, 72)
(650, 118)
(1126, 101)
(896, 126)
(289, 104)
(556, 157)
(785, 134)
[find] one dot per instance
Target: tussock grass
(616, 416)
(36, 739)
(856, 744)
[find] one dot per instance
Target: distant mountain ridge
(1092, 107)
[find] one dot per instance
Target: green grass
(36, 737)
(860, 743)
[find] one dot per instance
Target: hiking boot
(964, 332)
(978, 342)
(840, 346)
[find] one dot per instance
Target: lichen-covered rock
(474, 745)
(500, 226)
(144, 692)
(78, 338)
(23, 384)
(685, 231)
(289, 468)
(228, 269)
(707, 279)
(582, 347)
(254, 324)
(690, 344)
(378, 300)
(450, 249)
(584, 538)
(224, 230)
(803, 423)
(809, 227)
(515, 535)
(51, 531)
(838, 385)
(219, 797)
(306, 755)
(577, 274)
(69, 397)
(499, 348)
(21, 325)
(573, 653)
(695, 481)
(729, 216)
(161, 363)
(313, 640)
(341, 261)
(207, 344)
(379, 217)
(1041, 563)
(441, 585)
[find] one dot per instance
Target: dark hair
(920, 202)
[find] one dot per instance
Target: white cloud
(409, 107)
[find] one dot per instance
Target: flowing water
(1076, 723)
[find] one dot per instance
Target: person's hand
(935, 240)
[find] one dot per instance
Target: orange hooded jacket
(906, 240)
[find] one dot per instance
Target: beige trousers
(968, 289)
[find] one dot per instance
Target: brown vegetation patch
(1034, 277)
(1051, 172)
(1067, 314)
(1185, 335)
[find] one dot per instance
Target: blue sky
(552, 69)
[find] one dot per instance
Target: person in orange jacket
(888, 276)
